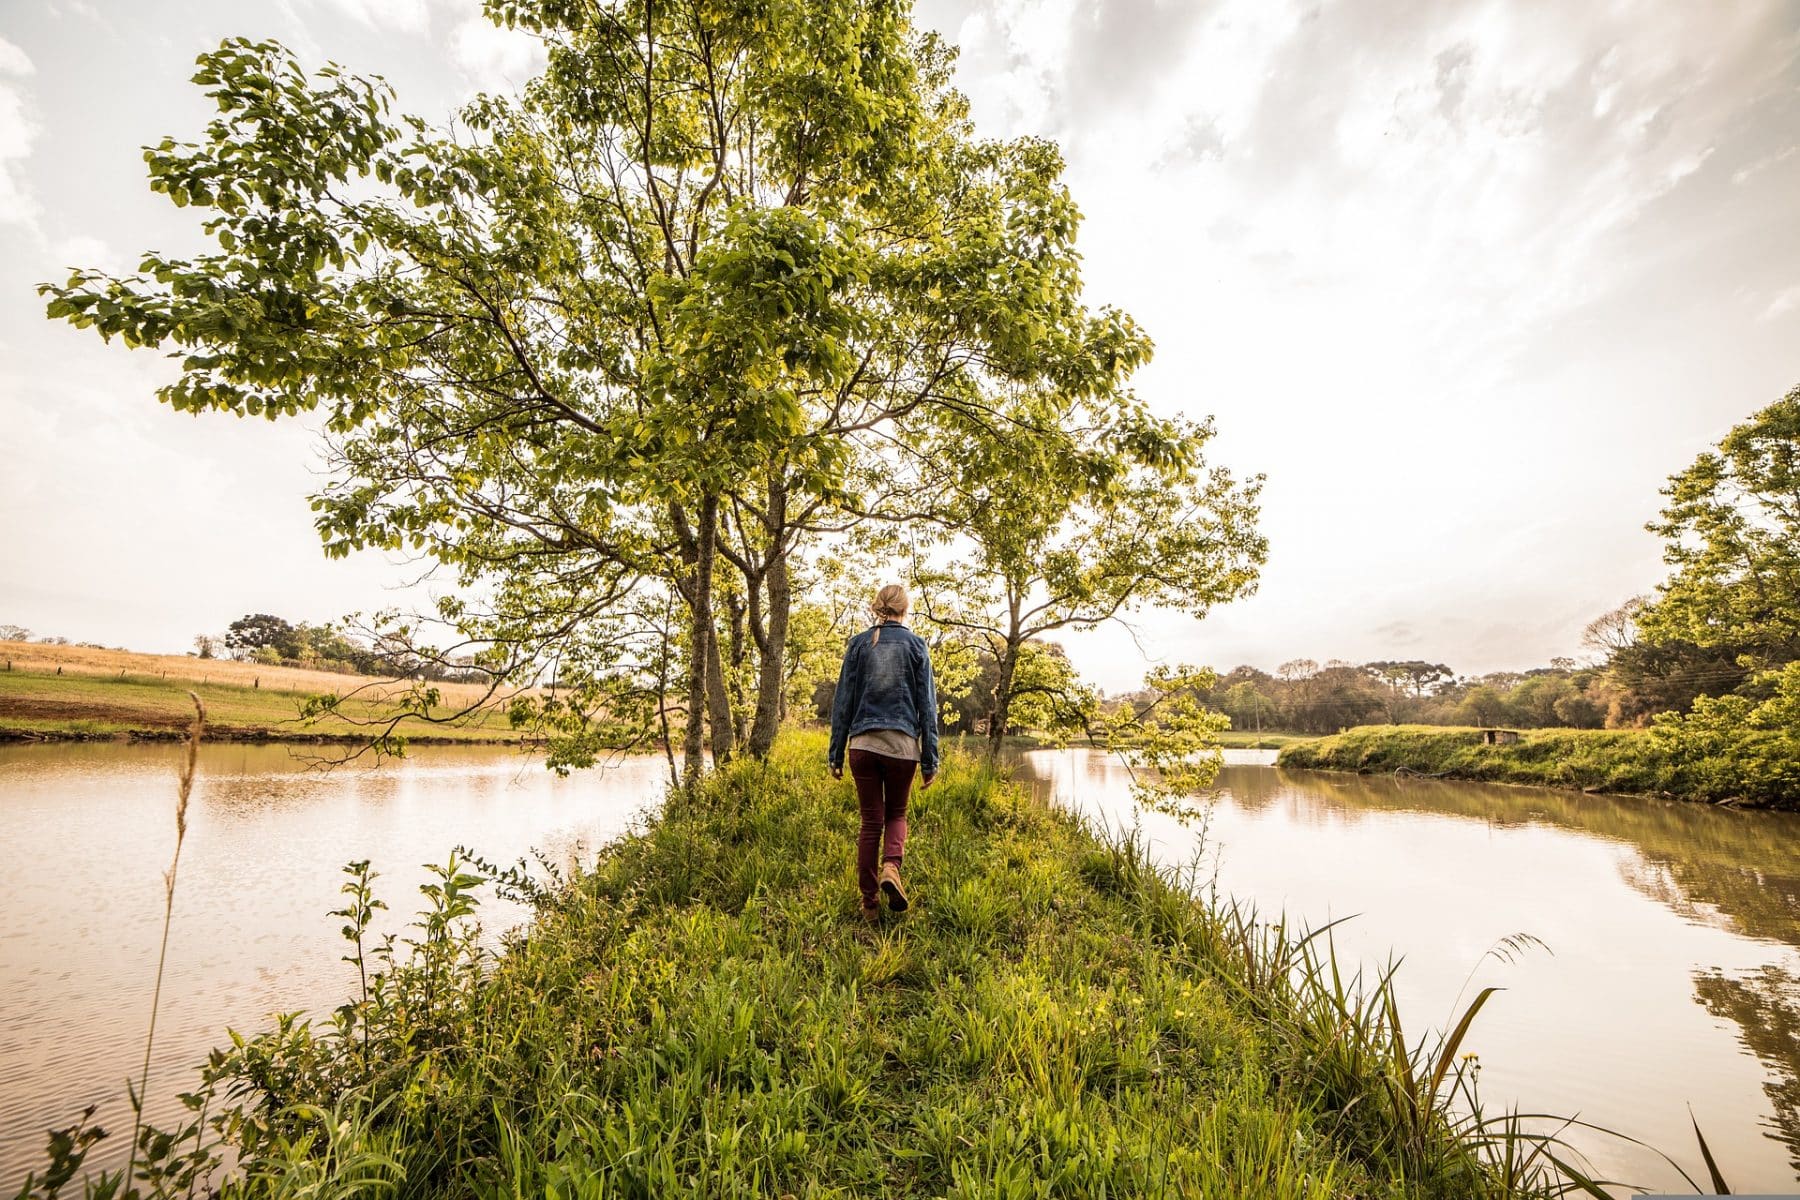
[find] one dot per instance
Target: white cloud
(85, 250)
(397, 16)
(18, 130)
(1468, 280)
(1372, 239)
(1784, 302)
(491, 58)
(77, 8)
(1744, 174)
(14, 61)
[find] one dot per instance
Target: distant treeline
(275, 641)
(1625, 683)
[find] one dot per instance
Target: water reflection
(92, 827)
(1766, 1006)
(1675, 931)
(1739, 868)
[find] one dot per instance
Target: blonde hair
(890, 604)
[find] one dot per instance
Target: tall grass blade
(1447, 1055)
(1712, 1167)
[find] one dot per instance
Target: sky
(1465, 281)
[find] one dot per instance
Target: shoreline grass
(1622, 762)
(703, 1014)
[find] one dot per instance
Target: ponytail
(890, 604)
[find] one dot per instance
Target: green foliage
(1731, 530)
(1719, 660)
(1169, 743)
(1070, 514)
(701, 1013)
(1739, 746)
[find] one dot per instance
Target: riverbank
(104, 695)
(704, 1013)
(1615, 761)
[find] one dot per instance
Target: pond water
(1672, 971)
(89, 830)
(1672, 975)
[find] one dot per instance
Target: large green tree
(1732, 534)
(656, 314)
(1731, 531)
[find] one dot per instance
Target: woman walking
(885, 716)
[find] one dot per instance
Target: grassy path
(704, 1014)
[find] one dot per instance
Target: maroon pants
(883, 784)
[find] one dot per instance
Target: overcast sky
(1466, 281)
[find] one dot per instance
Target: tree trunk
(1003, 690)
(772, 675)
(740, 711)
(1003, 686)
(717, 701)
(698, 544)
(771, 682)
(666, 634)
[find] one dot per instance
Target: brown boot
(892, 888)
(871, 914)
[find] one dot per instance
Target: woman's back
(886, 683)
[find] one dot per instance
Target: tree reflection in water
(1731, 869)
(1735, 869)
(1766, 1007)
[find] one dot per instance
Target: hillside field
(117, 693)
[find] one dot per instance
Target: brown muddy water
(1672, 975)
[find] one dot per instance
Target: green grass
(1611, 760)
(703, 1014)
(97, 706)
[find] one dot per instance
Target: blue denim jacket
(886, 685)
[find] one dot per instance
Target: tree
(1536, 701)
(206, 645)
(1614, 630)
(649, 317)
(1483, 706)
(1731, 532)
(1416, 676)
(261, 631)
(1739, 746)
(1078, 515)
(1247, 705)
(14, 633)
(1327, 699)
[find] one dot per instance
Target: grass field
(703, 1014)
(114, 693)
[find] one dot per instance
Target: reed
(183, 793)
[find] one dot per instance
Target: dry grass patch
(38, 658)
